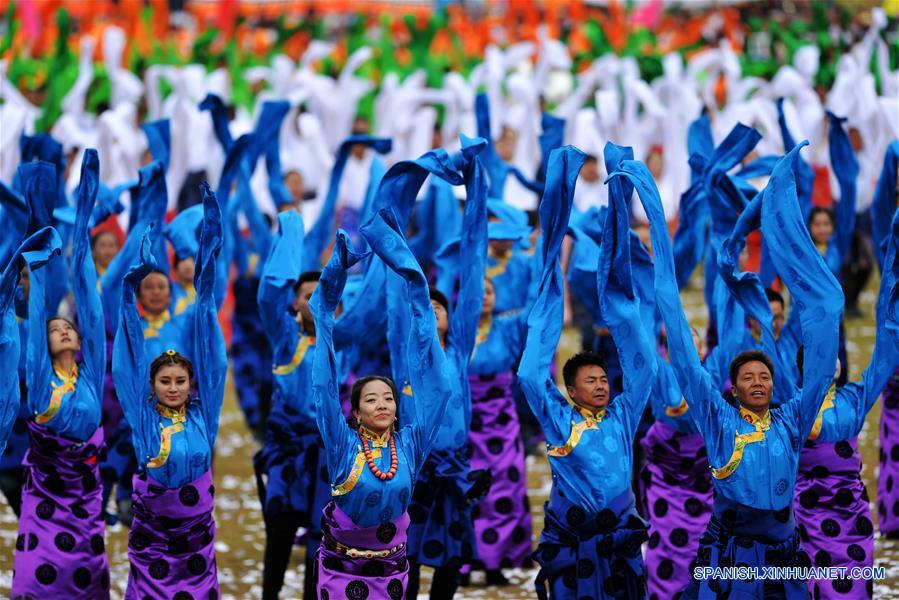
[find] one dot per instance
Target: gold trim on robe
(591, 421)
(679, 410)
(304, 343)
(59, 390)
(154, 325)
(761, 424)
(819, 420)
(355, 473)
(185, 301)
(500, 267)
(178, 417)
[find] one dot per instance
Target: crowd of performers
(395, 327)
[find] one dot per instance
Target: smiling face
(591, 388)
(377, 407)
(754, 385)
(172, 386)
(62, 337)
(154, 293)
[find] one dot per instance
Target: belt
(351, 552)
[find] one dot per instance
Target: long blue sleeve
(280, 272)
(268, 133)
(318, 236)
(14, 215)
(159, 138)
(805, 176)
(691, 236)
(35, 251)
(545, 319)
(845, 167)
(339, 439)
(84, 280)
(884, 200)
(851, 403)
(219, 113)
(209, 356)
(151, 210)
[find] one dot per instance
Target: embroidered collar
(762, 423)
(588, 414)
(484, 327)
(154, 325)
(177, 415)
(376, 441)
(67, 379)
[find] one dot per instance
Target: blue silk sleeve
(805, 176)
(14, 212)
(884, 203)
(219, 113)
(545, 319)
(339, 440)
(209, 354)
(818, 296)
(159, 139)
(151, 209)
(35, 251)
(84, 279)
(551, 138)
(280, 273)
(845, 167)
(268, 128)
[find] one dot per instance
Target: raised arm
(545, 319)
(427, 364)
(130, 366)
(337, 436)
(209, 353)
(845, 167)
(706, 404)
(818, 296)
(853, 401)
(84, 277)
(884, 203)
(281, 271)
(36, 250)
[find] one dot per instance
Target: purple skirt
(831, 507)
(60, 551)
(172, 541)
(888, 480)
(678, 495)
(502, 519)
(343, 576)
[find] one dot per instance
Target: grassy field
(240, 540)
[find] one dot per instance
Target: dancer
(171, 543)
(363, 553)
(590, 545)
(752, 520)
(502, 520)
(60, 551)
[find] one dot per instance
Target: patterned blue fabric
(78, 415)
(191, 449)
(767, 473)
(884, 203)
(845, 168)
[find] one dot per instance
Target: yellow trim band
(819, 420)
(299, 354)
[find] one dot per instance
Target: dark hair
(170, 358)
(69, 321)
(97, 235)
(356, 391)
(158, 271)
(440, 297)
(306, 278)
(818, 210)
(775, 296)
(576, 362)
(748, 356)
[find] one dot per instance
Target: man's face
(301, 300)
(591, 388)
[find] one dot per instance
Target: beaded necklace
(366, 449)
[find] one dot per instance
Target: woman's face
(820, 228)
(377, 407)
(106, 246)
(489, 298)
(154, 293)
(62, 337)
(172, 386)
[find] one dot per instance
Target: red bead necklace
(371, 461)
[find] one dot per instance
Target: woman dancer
(363, 551)
(171, 544)
(60, 551)
(752, 521)
(502, 520)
